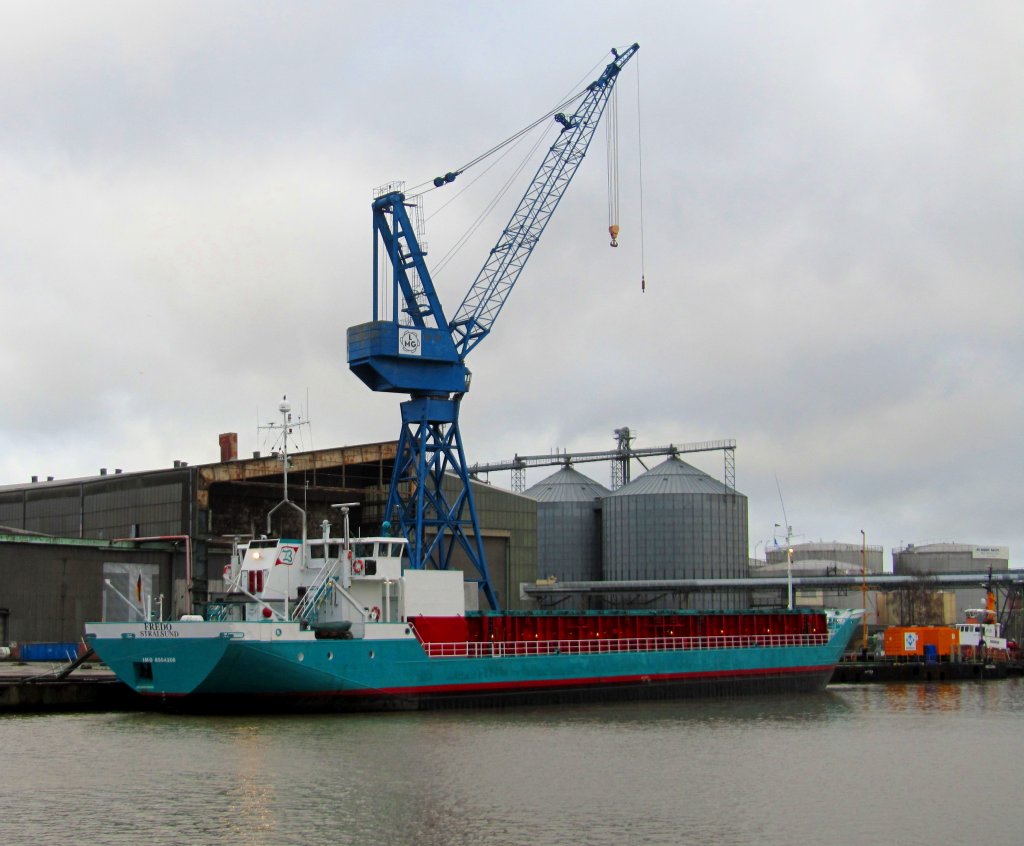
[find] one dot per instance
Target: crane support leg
(431, 498)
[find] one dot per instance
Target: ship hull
(264, 667)
(792, 682)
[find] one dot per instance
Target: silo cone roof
(673, 476)
(567, 485)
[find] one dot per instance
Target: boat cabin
(335, 587)
(980, 629)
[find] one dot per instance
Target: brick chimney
(229, 446)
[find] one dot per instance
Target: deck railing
(500, 649)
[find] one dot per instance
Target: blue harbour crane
(417, 350)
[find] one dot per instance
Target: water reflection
(765, 770)
(1005, 696)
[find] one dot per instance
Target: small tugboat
(980, 636)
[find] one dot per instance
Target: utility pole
(864, 591)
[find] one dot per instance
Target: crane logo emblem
(409, 342)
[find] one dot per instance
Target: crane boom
(484, 300)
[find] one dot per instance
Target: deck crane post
(416, 350)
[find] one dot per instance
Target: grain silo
(568, 526)
(676, 522)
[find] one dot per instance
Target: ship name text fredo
(158, 630)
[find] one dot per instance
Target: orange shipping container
(911, 640)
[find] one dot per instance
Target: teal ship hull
(275, 665)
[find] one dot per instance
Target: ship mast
(286, 419)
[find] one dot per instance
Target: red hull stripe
(538, 684)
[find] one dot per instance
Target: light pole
(789, 561)
(789, 576)
(864, 591)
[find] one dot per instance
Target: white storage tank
(934, 558)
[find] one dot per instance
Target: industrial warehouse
(78, 549)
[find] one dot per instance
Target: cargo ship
(330, 624)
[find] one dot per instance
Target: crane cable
(640, 157)
(611, 134)
(440, 181)
(612, 138)
(512, 140)
(476, 224)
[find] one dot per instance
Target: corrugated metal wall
(54, 512)
(677, 536)
(116, 507)
(569, 541)
(51, 590)
(501, 511)
(509, 525)
(568, 528)
(121, 511)
(12, 509)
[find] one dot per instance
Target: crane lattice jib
(480, 308)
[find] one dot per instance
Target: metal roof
(673, 476)
(567, 485)
(50, 483)
(941, 546)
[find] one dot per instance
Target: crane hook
(613, 230)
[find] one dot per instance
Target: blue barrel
(931, 653)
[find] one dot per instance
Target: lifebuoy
(357, 566)
(374, 614)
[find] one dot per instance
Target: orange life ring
(374, 614)
(357, 566)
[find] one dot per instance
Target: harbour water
(909, 764)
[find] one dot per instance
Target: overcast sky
(833, 240)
